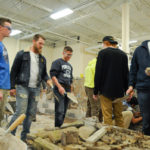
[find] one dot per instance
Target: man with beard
(27, 73)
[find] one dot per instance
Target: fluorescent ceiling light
(133, 41)
(15, 32)
(61, 13)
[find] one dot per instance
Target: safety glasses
(9, 28)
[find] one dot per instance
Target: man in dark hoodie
(111, 80)
(139, 78)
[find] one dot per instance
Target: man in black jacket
(27, 72)
(111, 80)
(139, 78)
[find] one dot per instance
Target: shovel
(10, 142)
(120, 99)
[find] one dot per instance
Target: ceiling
(91, 20)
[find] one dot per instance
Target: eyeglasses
(68, 54)
(9, 28)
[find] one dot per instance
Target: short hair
(37, 36)
(3, 20)
(68, 48)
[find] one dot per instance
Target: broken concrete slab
(10, 142)
(40, 143)
(86, 131)
(97, 135)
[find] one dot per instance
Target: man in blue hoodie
(5, 29)
(139, 78)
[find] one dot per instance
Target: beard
(37, 50)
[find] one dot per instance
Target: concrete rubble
(83, 134)
(10, 142)
(73, 136)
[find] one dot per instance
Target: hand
(95, 97)
(140, 118)
(130, 92)
(137, 114)
(12, 92)
(1, 95)
(147, 71)
(61, 90)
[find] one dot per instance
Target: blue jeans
(26, 98)
(61, 105)
(144, 103)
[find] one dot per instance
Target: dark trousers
(144, 103)
(61, 105)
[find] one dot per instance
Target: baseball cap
(110, 39)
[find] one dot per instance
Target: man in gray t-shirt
(61, 74)
(27, 73)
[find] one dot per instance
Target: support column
(125, 27)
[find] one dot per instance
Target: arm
(126, 72)
(15, 70)
(60, 88)
(133, 70)
(54, 72)
(132, 76)
(136, 120)
(72, 80)
(97, 79)
(45, 76)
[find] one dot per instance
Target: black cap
(110, 39)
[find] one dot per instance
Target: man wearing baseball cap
(110, 39)
(111, 80)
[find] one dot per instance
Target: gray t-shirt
(34, 69)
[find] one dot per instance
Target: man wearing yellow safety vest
(93, 107)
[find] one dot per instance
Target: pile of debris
(88, 134)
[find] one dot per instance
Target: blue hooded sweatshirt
(140, 61)
(4, 68)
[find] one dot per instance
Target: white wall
(79, 59)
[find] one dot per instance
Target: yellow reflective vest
(90, 74)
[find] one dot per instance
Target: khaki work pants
(109, 108)
(93, 106)
(2, 105)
